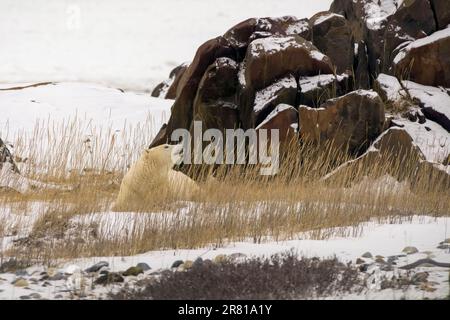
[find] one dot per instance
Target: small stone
(133, 271)
(367, 255)
(109, 278)
(379, 257)
(364, 267)
(221, 258)
(198, 262)
(187, 264)
(360, 261)
(96, 267)
(20, 283)
(25, 297)
(57, 277)
(410, 250)
(380, 260)
(444, 246)
(420, 277)
(176, 264)
(58, 296)
(145, 267)
(35, 296)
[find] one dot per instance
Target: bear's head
(164, 156)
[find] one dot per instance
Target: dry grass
(236, 205)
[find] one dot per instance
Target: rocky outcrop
(394, 153)
(384, 25)
(332, 35)
(352, 121)
(426, 61)
(6, 157)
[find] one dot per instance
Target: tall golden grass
(237, 204)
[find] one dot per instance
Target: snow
(385, 239)
(391, 86)
(263, 97)
(91, 115)
(434, 143)
(438, 35)
(311, 83)
(326, 17)
(280, 108)
(127, 44)
(378, 11)
(432, 97)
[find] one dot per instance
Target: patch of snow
(438, 35)
(311, 83)
(391, 86)
(434, 142)
(326, 17)
(266, 95)
(280, 108)
(378, 11)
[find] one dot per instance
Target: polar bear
(152, 178)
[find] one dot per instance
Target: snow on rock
(280, 108)
(321, 80)
(378, 11)
(389, 88)
(265, 96)
(325, 17)
(435, 102)
(438, 35)
(432, 140)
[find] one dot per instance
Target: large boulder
(318, 89)
(242, 34)
(426, 61)
(441, 9)
(182, 109)
(332, 35)
(271, 58)
(216, 101)
(397, 154)
(352, 121)
(6, 157)
(384, 25)
(282, 91)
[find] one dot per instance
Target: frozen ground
(385, 240)
(126, 44)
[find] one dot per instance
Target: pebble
(112, 277)
(133, 271)
(20, 283)
(367, 255)
(145, 267)
(410, 250)
(176, 264)
(96, 267)
(360, 261)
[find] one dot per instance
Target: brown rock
(353, 121)
(426, 61)
(316, 90)
(182, 110)
(271, 58)
(441, 10)
(216, 102)
(282, 91)
(285, 119)
(332, 35)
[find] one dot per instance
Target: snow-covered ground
(126, 44)
(385, 240)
